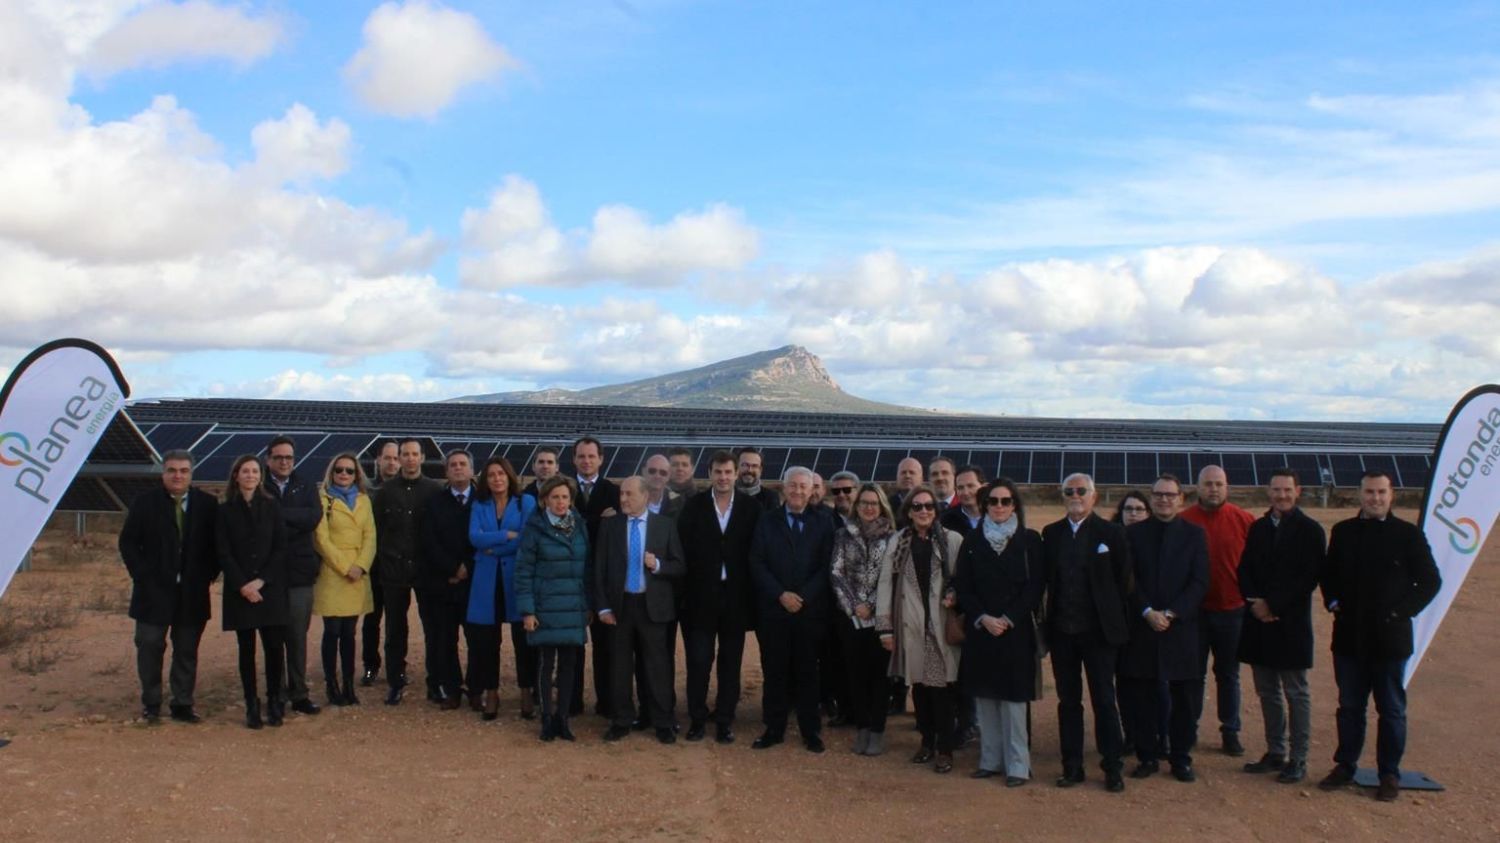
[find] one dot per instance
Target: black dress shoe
(1293, 772)
(767, 740)
(395, 695)
(1268, 763)
(305, 707)
(1231, 745)
(1114, 782)
(1015, 781)
(349, 696)
(813, 743)
(1184, 773)
(549, 729)
(695, 731)
(151, 714)
(1338, 777)
(252, 714)
(615, 733)
(185, 714)
(666, 736)
(1069, 778)
(982, 773)
(640, 724)
(923, 755)
(563, 731)
(275, 712)
(1145, 769)
(724, 734)
(368, 678)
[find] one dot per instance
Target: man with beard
(749, 480)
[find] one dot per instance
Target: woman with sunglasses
(251, 541)
(999, 579)
(345, 539)
(914, 599)
(858, 548)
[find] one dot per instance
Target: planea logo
(85, 411)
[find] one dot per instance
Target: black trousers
(440, 625)
(526, 656)
(273, 642)
(565, 661)
(484, 656)
(833, 674)
(789, 656)
(397, 604)
(150, 651)
(371, 631)
(635, 635)
(1185, 697)
(937, 710)
(642, 681)
(338, 643)
(599, 640)
(700, 641)
(1076, 658)
(866, 668)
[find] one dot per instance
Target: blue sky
(1064, 209)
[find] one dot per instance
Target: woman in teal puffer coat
(552, 597)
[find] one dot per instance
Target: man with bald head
(908, 477)
(1223, 615)
(660, 499)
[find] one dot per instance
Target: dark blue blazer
(1170, 576)
(782, 560)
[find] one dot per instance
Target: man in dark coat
(398, 508)
(1378, 576)
(1277, 574)
(167, 545)
(718, 599)
(1089, 580)
(543, 468)
(637, 556)
(301, 510)
(790, 557)
(750, 466)
(387, 466)
(596, 500)
(1170, 558)
(442, 580)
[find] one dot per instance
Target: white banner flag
(55, 406)
(1462, 500)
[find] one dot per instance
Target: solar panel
(1267, 463)
(127, 489)
(172, 436)
(861, 461)
(986, 461)
(87, 494)
(1078, 462)
(1046, 467)
(1176, 463)
(1414, 470)
(1016, 465)
(804, 457)
(1307, 468)
(1347, 468)
(216, 467)
(1140, 468)
(1109, 468)
(1240, 469)
(1199, 461)
(830, 461)
(773, 462)
(122, 444)
(886, 464)
(625, 461)
(315, 464)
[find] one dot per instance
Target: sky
(1211, 211)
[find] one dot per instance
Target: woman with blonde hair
(345, 540)
(858, 548)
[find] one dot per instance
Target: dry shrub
(33, 618)
(108, 597)
(38, 656)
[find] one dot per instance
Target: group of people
(857, 595)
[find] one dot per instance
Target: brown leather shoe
(1389, 789)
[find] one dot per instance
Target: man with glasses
(1223, 616)
(660, 499)
(1089, 581)
(167, 545)
(750, 466)
(841, 489)
(301, 510)
(1170, 557)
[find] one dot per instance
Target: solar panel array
(1028, 450)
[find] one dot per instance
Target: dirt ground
(81, 767)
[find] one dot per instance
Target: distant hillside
(784, 379)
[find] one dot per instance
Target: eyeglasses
(279, 457)
(343, 470)
(875, 504)
(657, 472)
(841, 490)
(923, 507)
(1165, 495)
(1136, 508)
(1075, 491)
(1005, 501)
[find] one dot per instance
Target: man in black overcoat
(597, 498)
(167, 545)
(442, 581)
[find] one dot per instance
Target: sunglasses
(1005, 501)
(1075, 492)
(923, 507)
(656, 472)
(343, 470)
(841, 490)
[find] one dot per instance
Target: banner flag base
(1410, 779)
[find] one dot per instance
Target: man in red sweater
(1223, 607)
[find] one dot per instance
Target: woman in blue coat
(495, 525)
(551, 572)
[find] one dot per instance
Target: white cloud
(291, 384)
(513, 242)
(165, 33)
(417, 56)
(297, 146)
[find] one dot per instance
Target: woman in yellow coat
(346, 543)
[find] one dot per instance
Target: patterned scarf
(998, 534)
(564, 524)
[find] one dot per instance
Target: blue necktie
(635, 572)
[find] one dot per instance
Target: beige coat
(907, 660)
(344, 539)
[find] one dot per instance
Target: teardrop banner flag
(53, 409)
(1461, 502)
